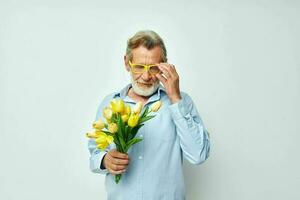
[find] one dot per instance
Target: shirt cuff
(179, 109)
(95, 163)
(180, 112)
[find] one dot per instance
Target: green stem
(118, 178)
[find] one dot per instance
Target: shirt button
(140, 157)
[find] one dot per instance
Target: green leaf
(132, 142)
(134, 131)
(116, 141)
(123, 145)
(119, 135)
(146, 118)
(108, 133)
(127, 132)
(119, 149)
(113, 118)
(119, 145)
(120, 126)
(145, 112)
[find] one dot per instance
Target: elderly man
(152, 169)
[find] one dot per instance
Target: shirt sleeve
(96, 155)
(194, 138)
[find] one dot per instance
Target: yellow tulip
(94, 134)
(102, 146)
(133, 120)
(103, 141)
(91, 134)
(124, 118)
(138, 107)
(127, 110)
(155, 106)
(99, 124)
(107, 113)
(112, 127)
(117, 106)
(98, 133)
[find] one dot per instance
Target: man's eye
(154, 69)
(139, 67)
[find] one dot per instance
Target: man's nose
(146, 76)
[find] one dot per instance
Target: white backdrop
(238, 60)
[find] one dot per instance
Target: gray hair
(148, 39)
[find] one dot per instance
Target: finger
(164, 71)
(114, 172)
(116, 167)
(111, 162)
(170, 68)
(117, 154)
(161, 78)
(120, 161)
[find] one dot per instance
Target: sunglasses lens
(154, 70)
(138, 69)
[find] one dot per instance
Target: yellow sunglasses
(141, 68)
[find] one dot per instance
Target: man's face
(144, 84)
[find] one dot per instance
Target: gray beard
(144, 92)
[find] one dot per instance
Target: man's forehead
(142, 54)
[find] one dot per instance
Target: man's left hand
(170, 80)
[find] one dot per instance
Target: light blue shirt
(155, 169)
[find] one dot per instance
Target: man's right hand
(116, 162)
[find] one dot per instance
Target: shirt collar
(154, 97)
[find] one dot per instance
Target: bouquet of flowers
(121, 126)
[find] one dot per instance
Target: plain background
(238, 60)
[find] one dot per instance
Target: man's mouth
(145, 84)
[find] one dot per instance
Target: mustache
(146, 83)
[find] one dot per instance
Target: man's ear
(126, 62)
